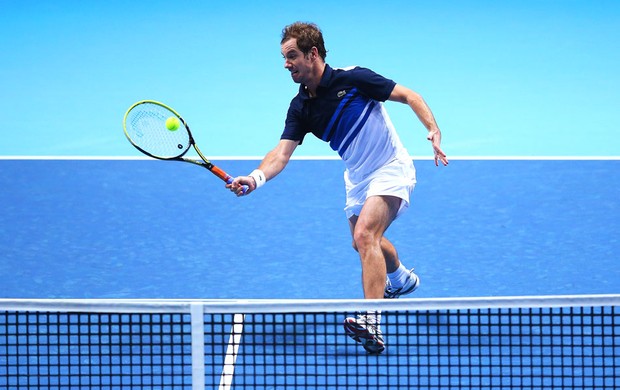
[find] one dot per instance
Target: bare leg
(377, 254)
(391, 255)
(392, 261)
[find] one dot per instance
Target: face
(296, 62)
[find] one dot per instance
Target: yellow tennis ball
(172, 123)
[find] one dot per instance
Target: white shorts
(397, 178)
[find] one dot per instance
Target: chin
(296, 77)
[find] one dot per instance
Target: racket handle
(226, 177)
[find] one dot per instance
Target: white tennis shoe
(411, 284)
(364, 329)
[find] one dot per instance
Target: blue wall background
(526, 78)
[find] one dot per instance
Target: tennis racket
(159, 132)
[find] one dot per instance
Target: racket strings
(145, 126)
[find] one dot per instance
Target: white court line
(234, 340)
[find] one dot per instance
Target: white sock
(373, 317)
(399, 277)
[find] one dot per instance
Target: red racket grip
(227, 178)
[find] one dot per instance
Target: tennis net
(557, 342)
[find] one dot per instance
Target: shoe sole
(371, 343)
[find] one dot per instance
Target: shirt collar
(327, 75)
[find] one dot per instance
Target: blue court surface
(153, 229)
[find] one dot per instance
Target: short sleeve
(294, 128)
(372, 84)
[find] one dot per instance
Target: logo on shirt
(341, 93)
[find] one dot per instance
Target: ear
(314, 53)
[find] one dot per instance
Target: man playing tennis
(343, 107)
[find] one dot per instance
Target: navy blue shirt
(344, 100)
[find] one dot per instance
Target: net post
(198, 345)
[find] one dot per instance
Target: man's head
(304, 53)
(308, 35)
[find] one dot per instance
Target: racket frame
(205, 163)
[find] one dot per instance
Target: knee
(354, 245)
(362, 239)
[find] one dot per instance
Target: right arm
(273, 163)
(418, 105)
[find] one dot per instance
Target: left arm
(420, 108)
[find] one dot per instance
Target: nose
(287, 63)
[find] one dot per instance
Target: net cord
(234, 306)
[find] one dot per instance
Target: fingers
(435, 138)
(242, 185)
(238, 189)
(442, 158)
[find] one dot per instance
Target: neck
(313, 84)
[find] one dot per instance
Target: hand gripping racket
(159, 132)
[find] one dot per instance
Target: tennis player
(344, 108)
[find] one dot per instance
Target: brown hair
(308, 35)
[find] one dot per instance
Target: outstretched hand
(242, 185)
(435, 138)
